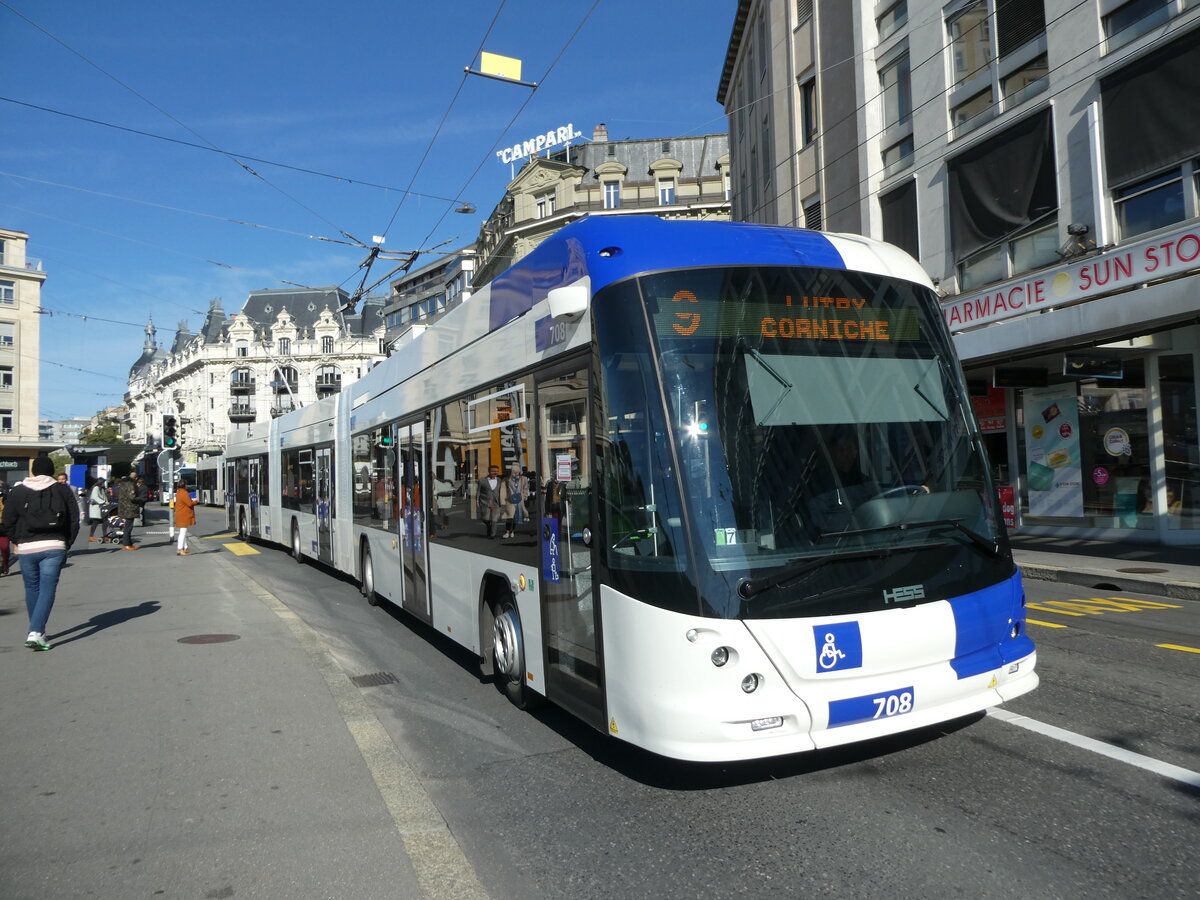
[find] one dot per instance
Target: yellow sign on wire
(500, 66)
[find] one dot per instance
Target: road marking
(1179, 647)
(442, 868)
(1120, 754)
(1098, 606)
(238, 548)
(1045, 624)
(214, 537)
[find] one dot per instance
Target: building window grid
(327, 344)
(1034, 248)
(8, 292)
(1130, 21)
(808, 112)
(974, 54)
(666, 191)
(612, 195)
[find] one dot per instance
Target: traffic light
(170, 437)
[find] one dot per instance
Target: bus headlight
(1016, 629)
(751, 682)
(720, 656)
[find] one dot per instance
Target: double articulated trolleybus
(744, 508)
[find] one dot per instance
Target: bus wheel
(508, 652)
(297, 554)
(242, 527)
(368, 577)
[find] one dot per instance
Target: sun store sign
(1167, 254)
(562, 135)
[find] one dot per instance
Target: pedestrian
(514, 491)
(128, 509)
(489, 500)
(4, 543)
(143, 497)
(42, 519)
(97, 499)
(61, 478)
(185, 517)
(443, 491)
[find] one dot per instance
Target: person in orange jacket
(185, 518)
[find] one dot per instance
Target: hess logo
(688, 321)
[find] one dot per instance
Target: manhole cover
(1142, 571)
(209, 638)
(375, 679)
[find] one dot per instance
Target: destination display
(802, 318)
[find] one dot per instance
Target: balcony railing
(281, 409)
(286, 387)
(240, 413)
(241, 386)
(329, 385)
(32, 263)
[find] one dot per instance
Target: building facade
(682, 177)
(1041, 158)
(424, 294)
(282, 350)
(21, 280)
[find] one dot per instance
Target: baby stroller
(114, 525)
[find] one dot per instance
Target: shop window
(1177, 387)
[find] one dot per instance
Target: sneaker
(35, 641)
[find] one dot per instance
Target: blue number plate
(873, 706)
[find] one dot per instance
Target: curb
(1157, 587)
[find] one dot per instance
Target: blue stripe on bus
(647, 244)
(981, 626)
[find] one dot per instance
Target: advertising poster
(1052, 461)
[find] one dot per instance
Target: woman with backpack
(42, 518)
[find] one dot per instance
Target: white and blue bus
(745, 508)
(210, 481)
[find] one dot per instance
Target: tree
(107, 432)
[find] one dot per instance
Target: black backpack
(45, 512)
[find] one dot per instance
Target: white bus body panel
(665, 694)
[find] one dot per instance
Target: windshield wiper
(989, 547)
(749, 587)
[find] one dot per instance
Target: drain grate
(1142, 571)
(375, 679)
(209, 638)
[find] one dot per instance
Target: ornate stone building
(282, 350)
(681, 177)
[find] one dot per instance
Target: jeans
(40, 573)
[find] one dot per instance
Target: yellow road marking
(1045, 624)
(1044, 608)
(1098, 606)
(1178, 647)
(239, 548)
(210, 537)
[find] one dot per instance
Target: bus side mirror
(570, 301)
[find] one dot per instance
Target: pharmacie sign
(561, 135)
(1121, 268)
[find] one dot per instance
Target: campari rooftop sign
(1118, 269)
(560, 136)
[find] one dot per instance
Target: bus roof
(610, 248)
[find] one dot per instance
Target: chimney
(600, 133)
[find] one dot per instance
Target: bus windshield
(822, 436)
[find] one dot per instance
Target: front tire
(368, 578)
(242, 534)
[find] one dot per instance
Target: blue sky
(129, 225)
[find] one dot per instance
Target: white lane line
(1158, 767)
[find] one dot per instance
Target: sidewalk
(1137, 568)
(184, 738)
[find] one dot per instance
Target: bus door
(255, 496)
(324, 497)
(413, 548)
(230, 502)
(569, 614)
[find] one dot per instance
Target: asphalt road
(983, 807)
